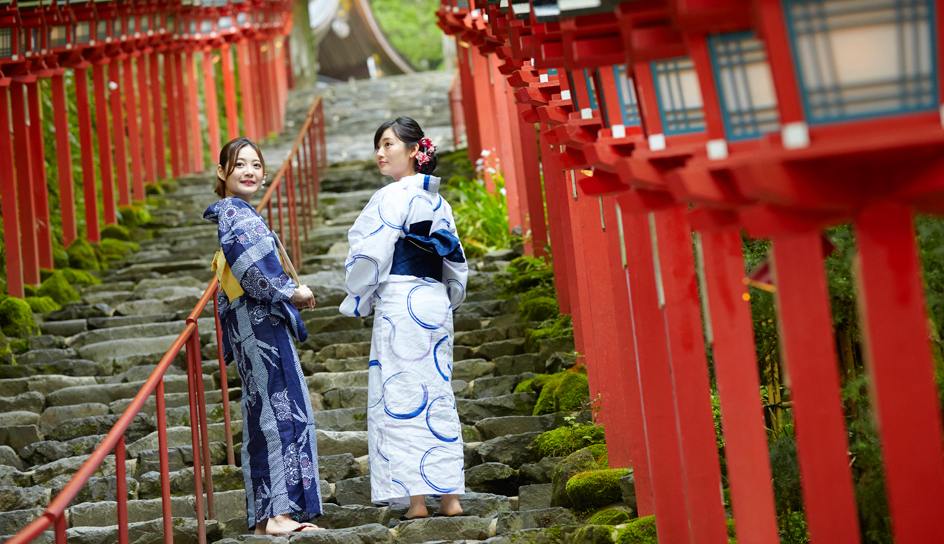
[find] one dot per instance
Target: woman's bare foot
(417, 507)
(449, 506)
(283, 524)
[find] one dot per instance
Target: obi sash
(421, 254)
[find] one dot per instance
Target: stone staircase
(70, 388)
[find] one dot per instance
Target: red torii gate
(664, 118)
(125, 43)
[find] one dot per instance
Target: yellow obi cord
(228, 281)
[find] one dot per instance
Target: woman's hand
(303, 298)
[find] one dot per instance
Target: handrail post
(278, 191)
(121, 491)
(204, 430)
(224, 386)
(164, 462)
(195, 439)
(60, 529)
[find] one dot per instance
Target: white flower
(502, 191)
(112, 85)
(492, 170)
(486, 152)
(479, 161)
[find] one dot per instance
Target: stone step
(495, 427)
(347, 365)
(181, 457)
(515, 404)
(126, 353)
(341, 351)
(207, 328)
(180, 436)
(343, 419)
(317, 342)
(91, 391)
(225, 478)
(69, 429)
(126, 320)
(327, 381)
(228, 505)
(45, 385)
(177, 400)
(146, 532)
(31, 401)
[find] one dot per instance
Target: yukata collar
(423, 181)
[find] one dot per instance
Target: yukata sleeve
(455, 272)
(372, 239)
(252, 255)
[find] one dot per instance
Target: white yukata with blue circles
(407, 264)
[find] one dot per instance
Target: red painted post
(229, 92)
(303, 182)
(134, 138)
(530, 181)
(60, 530)
(24, 183)
(160, 152)
(104, 142)
(40, 188)
(809, 351)
(193, 104)
(164, 462)
(515, 192)
(683, 325)
(173, 109)
(86, 148)
(118, 122)
(8, 201)
(209, 97)
(728, 309)
(485, 108)
(147, 139)
(246, 89)
(261, 95)
(469, 102)
(63, 159)
(655, 377)
(121, 490)
(901, 367)
(183, 113)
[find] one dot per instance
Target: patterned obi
(421, 254)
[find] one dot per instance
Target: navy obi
(421, 254)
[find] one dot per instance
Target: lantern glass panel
(225, 22)
(83, 32)
(568, 5)
(862, 59)
(57, 36)
(680, 101)
(590, 82)
(745, 85)
(6, 42)
(132, 27)
(629, 106)
(102, 30)
(546, 10)
(116, 28)
(145, 23)
(206, 26)
(241, 18)
(193, 28)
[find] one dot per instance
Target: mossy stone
(568, 391)
(6, 351)
(524, 387)
(640, 531)
(116, 232)
(580, 461)
(610, 516)
(133, 216)
(42, 305)
(60, 259)
(80, 277)
(153, 189)
(596, 488)
(57, 288)
(538, 309)
(16, 318)
(592, 534)
(29, 290)
(115, 249)
(564, 441)
(82, 255)
(45, 274)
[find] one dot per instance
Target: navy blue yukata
(279, 449)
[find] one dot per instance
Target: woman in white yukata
(407, 264)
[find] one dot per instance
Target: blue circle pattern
(423, 472)
(407, 415)
(380, 213)
(358, 257)
(409, 307)
(436, 360)
(429, 412)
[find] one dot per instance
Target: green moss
(731, 533)
(641, 531)
(599, 453)
(116, 232)
(133, 216)
(567, 391)
(42, 305)
(16, 318)
(595, 534)
(526, 274)
(80, 277)
(45, 274)
(609, 516)
(29, 290)
(57, 288)
(6, 353)
(60, 259)
(113, 250)
(524, 387)
(82, 255)
(559, 327)
(596, 488)
(566, 440)
(151, 189)
(538, 309)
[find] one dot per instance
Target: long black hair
(410, 133)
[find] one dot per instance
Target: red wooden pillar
(183, 113)
(272, 79)
(117, 119)
(530, 180)
(655, 382)
(193, 102)
(742, 414)
(809, 351)
(134, 138)
(676, 273)
(582, 313)
(515, 194)
(209, 97)
(173, 108)
(466, 75)
(104, 142)
(8, 203)
(40, 189)
(24, 183)
(63, 158)
(261, 92)
(554, 188)
(901, 366)
(485, 108)
(144, 106)
(229, 92)
(160, 152)
(86, 148)
(246, 89)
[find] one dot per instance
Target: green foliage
(6, 353)
(526, 274)
(153, 189)
(559, 327)
(481, 218)
(42, 305)
(931, 246)
(80, 277)
(116, 232)
(568, 391)
(133, 216)
(57, 288)
(719, 433)
(640, 531)
(609, 516)
(60, 259)
(113, 250)
(16, 318)
(524, 387)
(567, 440)
(793, 528)
(82, 255)
(29, 290)
(45, 274)
(410, 25)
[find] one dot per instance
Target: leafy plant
(481, 217)
(410, 25)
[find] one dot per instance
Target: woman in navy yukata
(258, 311)
(407, 265)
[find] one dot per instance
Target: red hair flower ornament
(422, 158)
(428, 144)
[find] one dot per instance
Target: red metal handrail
(311, 140)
